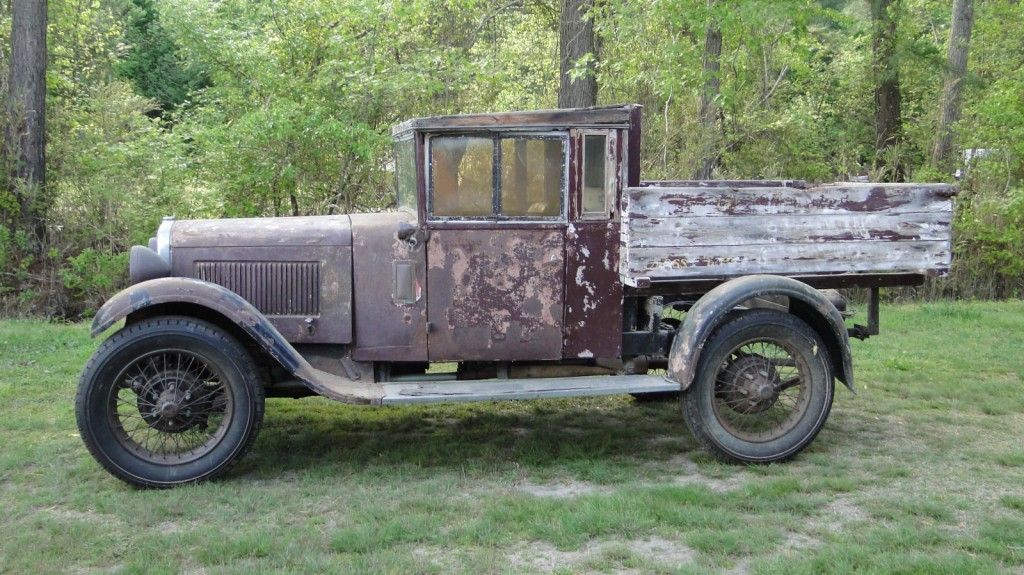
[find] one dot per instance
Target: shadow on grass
(573, 435)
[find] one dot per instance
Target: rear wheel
(763, 388)
(169, 400)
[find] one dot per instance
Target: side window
(531, 177)
(405, 173)
(497, 178)
(596, 183)
(461, 171)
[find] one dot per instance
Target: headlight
(146, 263)
(163, 239)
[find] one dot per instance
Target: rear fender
(710, 310)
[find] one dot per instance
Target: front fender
(208, 295)
(804, 301)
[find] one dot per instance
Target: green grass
(921, 472)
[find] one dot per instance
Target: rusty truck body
(525, 258)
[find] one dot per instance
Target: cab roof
(596, 117)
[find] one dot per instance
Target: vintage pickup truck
(525, 258)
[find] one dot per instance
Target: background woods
(239, 107)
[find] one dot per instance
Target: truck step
(409, 392)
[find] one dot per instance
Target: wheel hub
(164, 401)
(752, 384)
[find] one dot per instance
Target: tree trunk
(26, 135)
(956, 71)
(709, 100)
(576, 41)
(885, 70)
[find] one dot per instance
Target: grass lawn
(922, 471)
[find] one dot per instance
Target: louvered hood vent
(275, 288)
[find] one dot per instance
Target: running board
(410, 392)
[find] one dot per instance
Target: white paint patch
(585, 353)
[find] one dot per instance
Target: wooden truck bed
(686, 231)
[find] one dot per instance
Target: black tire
(706, 404)
(131, 378)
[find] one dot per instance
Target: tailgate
(726, 229)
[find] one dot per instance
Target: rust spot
(496, 294)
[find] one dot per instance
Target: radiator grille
(275, 288)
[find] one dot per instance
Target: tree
(152, 61)
(886, 76)
(577, 46)
(952, 89)
(26, 136)
(709, 93)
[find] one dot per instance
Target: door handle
(412, 235)
(405, 231)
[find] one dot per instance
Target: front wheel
(763, 388)
(169, 400)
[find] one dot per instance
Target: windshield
(405, 173)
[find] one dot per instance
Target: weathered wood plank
(785, 228)
(799, 184)
(658, 202)
(790, 259)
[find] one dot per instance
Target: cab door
(593, 309)
(496, 213)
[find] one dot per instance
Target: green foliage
(248, 108)
(91, 275)
(152, 62)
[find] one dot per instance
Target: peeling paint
(496, 294)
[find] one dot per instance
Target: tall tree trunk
(709, 99)
(27, 111)
(956, 71)
(576, 40)
(885, 70)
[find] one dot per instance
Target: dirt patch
(561, 490)
(661, 440)
(799, 542)
(834, 516)
(846, 510)
(543, 557)
(91, 517)
(172, 527)
(663, 551)
(690, 475)
(432, 554)
(740, 568)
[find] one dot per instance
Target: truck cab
(519, 214)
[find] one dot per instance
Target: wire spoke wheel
(763, 388)
(170, 406)
(761, 391)
(169, 400)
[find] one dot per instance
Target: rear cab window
(597, 189)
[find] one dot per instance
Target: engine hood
(262, 232)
